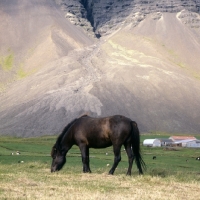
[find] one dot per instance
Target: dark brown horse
(87, 132)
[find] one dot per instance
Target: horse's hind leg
(85, 158)
(130, 157)
(117, 158)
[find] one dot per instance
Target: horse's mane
(60, 137)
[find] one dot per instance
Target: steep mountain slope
(159, 73)
(34, 33)
(144, 66)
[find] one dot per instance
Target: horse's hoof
(88, 171)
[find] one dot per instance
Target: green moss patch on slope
(7, 61)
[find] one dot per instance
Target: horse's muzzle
(53, 169)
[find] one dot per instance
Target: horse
(87, 132)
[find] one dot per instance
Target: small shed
(152, 143)
(165, 141)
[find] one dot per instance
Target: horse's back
(92, 131)
(102, 124)
(101, 132)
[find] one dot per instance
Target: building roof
(149, 141)
(164, 139)
(174, 138)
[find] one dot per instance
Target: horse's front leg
(117, 158)
(85, 158)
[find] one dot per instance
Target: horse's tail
(135, 136)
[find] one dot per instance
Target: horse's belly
(103, 143)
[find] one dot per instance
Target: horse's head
(58, 157)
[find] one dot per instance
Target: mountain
(60, 59)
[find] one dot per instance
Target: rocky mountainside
(62, 58)
(33, 34)
(102, 17)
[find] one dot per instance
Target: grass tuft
(21, 73)
(159, 172)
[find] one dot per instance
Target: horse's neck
(67, 141)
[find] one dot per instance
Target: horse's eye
(53, 153)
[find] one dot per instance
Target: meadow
(174, 174)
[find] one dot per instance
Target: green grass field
(176, 166)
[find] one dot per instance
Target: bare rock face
(102, 17)
(60, 59)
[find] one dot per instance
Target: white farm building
(152, 143)
(190, 143)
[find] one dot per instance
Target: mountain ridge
(104, 16)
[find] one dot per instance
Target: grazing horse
(87, 132)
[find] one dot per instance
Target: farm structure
(177, 138)
(188, 143)
(152, 143)
(165, 141)
(185, 141)
(180, 141)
